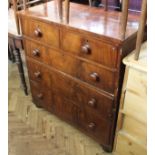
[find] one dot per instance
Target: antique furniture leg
(67, 7)
(20, 69)
(106, 5)
(15, 44)
(142, 24)
(124, 19)
(60, 9)
(10, 53)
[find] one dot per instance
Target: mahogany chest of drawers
(75, 69)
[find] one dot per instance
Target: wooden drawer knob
(40, 96)
(86, 49)
(37, 32)
(94, 76)
(92, 103)
(36, 52)
(91, 125)
(37, 74)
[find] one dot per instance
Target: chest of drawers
(75, 69)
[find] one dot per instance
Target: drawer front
(42, 96)
(38, 73)
(36, 51)
(139, 131)
(94, 75)
(95, 126)
(65, 108)
(90, 49)
(64, 62)
(83, 96)
(127, 146)
(97, 76)
(135, 106)
(43, 32)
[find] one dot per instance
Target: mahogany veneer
(75, 68)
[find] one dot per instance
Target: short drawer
(87, 72)
(36, 51)
(84, 96)
(38, 73)
(88, 48)
(40, 31)
(95, 126)
(42, 96)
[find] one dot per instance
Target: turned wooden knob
(92, 102)
(94, 76)
(91, 125)
(40, 96)
(37, 32)
(86, 49)
(37, 74)
(35, 52)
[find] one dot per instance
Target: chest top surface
(86, 19)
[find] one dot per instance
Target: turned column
(141, 28)
(124, 18)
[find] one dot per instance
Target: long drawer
(40, 31)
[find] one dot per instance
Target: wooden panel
(126, 146)
(135, 128)
(135, 106)
(90, 49)
(63, 62)
(137, 83)
(65, 108)
(96, 126)
(83, 95)
(98, 77)
(42, 96)
(38, 73)
(40, 31)
(135, 100)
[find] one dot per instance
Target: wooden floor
(23, 140)
(33, 131)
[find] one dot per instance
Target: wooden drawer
(88, 48)
(36, 51)
(64, 108)
(42, 96)
(127, 146)
(94, 75)
(97, 76)
(135, 106)
(40, 31)
(84, 96)
(95, 126)
(38, 73)
(135, 129)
